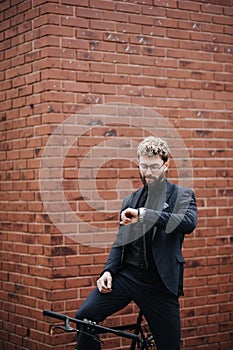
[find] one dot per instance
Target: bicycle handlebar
(56, 315)
(98, 328)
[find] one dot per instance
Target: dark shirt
(139, 252)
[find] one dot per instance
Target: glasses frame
(150, 167)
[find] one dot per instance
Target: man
(146, 263)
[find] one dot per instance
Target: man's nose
(148, 170)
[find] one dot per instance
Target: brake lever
(66, 328)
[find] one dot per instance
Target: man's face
(151, 168)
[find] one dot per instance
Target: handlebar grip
(128, 335)
(54, 315)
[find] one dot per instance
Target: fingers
(103, 288)
(104, 283)
(129, 216)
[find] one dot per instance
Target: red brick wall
(61, 56)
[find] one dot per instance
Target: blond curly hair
(151, 146)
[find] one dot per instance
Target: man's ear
(167, 163)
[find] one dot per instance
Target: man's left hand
(129, 216)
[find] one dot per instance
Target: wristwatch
(141, 214)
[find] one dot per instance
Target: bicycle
(139, 340)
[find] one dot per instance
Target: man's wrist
(106, 271)
(141, 214)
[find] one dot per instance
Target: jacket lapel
(169, 190)
(164, 204)
(135, 198)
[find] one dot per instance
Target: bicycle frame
(142, 342)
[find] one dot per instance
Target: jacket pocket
(181, 261)
(180, 258)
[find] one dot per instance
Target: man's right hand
(104, 283)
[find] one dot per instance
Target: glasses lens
(153, 168)
(143, 167)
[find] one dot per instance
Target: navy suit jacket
(176, 216)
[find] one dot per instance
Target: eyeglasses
(153, 167)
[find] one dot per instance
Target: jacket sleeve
(181, 218)
(114, 260)
(113, 263)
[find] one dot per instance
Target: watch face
(141, 214)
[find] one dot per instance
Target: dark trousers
(159, 306)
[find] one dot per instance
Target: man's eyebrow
(151, 164)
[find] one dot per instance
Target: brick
(74, 22)
(164, 3)
(115, 16)
(102, 25)
(186, 5)
(134, 8)
(89, 13)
